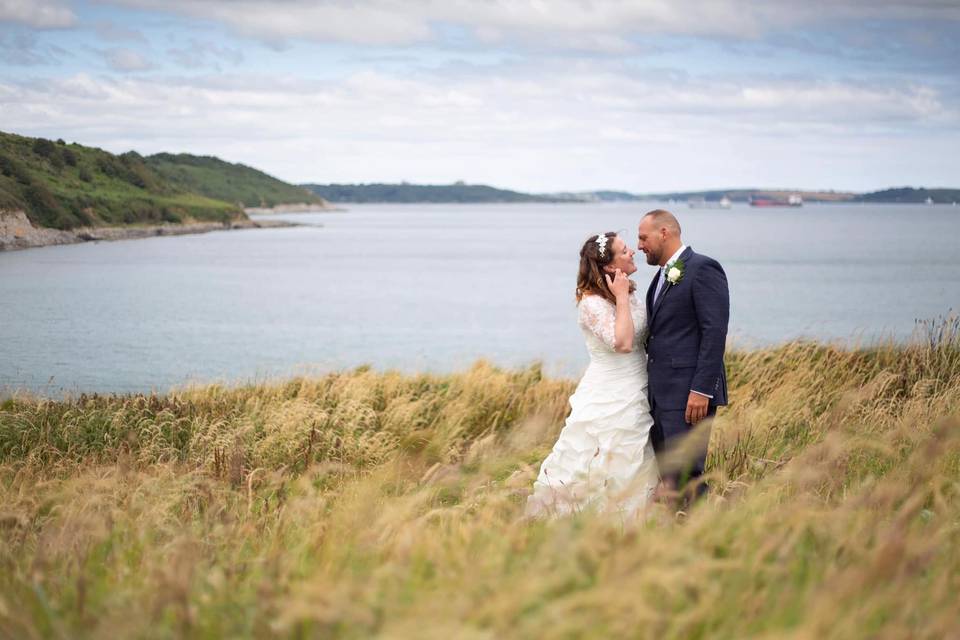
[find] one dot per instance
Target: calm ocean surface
(435, 287)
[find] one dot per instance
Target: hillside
(744, 195)
(363, 504)
(410, 193)
(221, 180)
(64, 186)
(889, 196)
(614, 196)
(911, 195)
(463, 193)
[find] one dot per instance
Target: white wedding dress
(603, 458)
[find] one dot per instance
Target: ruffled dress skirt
(603, 458)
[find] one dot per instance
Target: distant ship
(793, 201)
(928, 201)
(703, 203)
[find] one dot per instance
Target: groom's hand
(697, 407)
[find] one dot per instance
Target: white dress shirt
(663, 271)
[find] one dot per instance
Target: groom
(688, 307)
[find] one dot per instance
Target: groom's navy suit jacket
(687, 334)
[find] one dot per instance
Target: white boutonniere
(675, 271)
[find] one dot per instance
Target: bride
(603, 458)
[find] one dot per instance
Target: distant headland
(404, 192)
(460, 192)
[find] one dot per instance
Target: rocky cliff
(17, 232)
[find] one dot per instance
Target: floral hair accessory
(601, 243)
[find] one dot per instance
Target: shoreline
(296, 207)
(18, 233)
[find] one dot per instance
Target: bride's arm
(623, 324)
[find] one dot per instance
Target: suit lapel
(667, 286)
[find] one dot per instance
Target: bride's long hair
(590, 276)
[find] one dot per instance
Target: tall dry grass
(377, 504)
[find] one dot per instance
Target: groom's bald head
(658, 236)
(663, 219)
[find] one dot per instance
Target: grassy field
(378, 504)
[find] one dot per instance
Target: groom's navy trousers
(687, 334)
(669, 425)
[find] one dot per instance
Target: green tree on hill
(43, 147)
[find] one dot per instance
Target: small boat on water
(928, 201)
(793, 201)
(703, 203)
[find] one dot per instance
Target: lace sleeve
(599, 318)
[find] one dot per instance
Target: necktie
(656, 295)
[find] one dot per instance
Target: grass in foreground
(363, 504)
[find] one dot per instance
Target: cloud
(39, 14)
(534, 95)
(603, 25)
(562, 128)
(24, 49)
(197, 55)
(110, 31)
(379, 22)
(126, 60)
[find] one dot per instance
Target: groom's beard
(653, 259)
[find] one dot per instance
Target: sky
(535, 95)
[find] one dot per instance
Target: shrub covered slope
(237, 183)
(64, 186)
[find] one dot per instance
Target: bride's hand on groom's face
(619, 284)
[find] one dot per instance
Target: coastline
(297, 207)
(17, 232)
